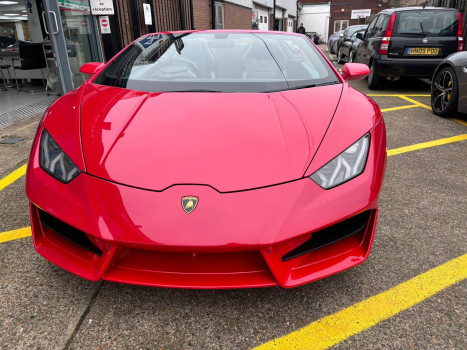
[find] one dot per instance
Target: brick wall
(343, 12)
(236, 17)
(202, 14)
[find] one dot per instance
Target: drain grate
(16, 115)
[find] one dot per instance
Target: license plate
(423, 51)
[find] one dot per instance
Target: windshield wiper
(306, 86)
(196, 90)
(423, 30)
(312, 85)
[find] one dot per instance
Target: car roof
(415, 8)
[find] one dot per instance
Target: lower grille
(68, 232)
(330, 235)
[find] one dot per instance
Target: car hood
(229, 141)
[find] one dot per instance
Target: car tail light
(384, 46)
(460, 39)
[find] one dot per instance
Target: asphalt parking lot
(411, 293)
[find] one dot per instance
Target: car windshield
(427, 23)
(353, 29)
(218, 62)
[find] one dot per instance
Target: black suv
(409, 41)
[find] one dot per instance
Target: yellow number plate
(423, 51)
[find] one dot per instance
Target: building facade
(328, 17)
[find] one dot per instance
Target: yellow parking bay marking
(419, 104)
(415, 104)
(15, 175)
(463, 122)
(396, 95)
(15, 234)
(398, 108)
(337, 327)
(429, 144)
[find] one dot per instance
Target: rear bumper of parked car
(410, 67)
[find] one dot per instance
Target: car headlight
(54, 161)
(345, 166)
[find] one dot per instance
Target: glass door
(74, 39)
(80, 40)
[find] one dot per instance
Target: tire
(339, 56)
(444, 93)
(374, 81)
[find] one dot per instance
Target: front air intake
(330, 235)
(68, 232)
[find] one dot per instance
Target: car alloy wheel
(351, 57)
(444, 92)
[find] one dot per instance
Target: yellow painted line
(335, 328)
(398, 108)
(419, 104)
(15, 175)
(429, 144)
(463, 122)
(395, 95)
(15, 234)
(415, 104)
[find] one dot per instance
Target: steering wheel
(190, 65)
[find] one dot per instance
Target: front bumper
(231, 240)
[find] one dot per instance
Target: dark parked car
(348, 46)
(313, 36)
(409, 41)
(332, 41)
(6, 41)
(11, 48)
(449, 86)
(345, 36)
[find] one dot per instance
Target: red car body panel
(242, 141)
(255, 202)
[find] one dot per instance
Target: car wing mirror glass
(360, 36)
(355, 71)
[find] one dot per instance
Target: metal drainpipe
(213, 14)
(274, 16)
(182, 14)
(296, 24)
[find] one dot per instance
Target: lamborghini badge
(189, 203)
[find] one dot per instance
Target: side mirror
(355, 71)
(341, 35)
(360, 36)
(90, 68)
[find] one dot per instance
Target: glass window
(426, 23)
(79, 35)
(219, 15)
(265, 19)
(260, 19)
(222, 62)
(353, 29)
(340, 25)
(371, 27)
(380, 26)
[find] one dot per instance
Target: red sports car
(209, 159)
